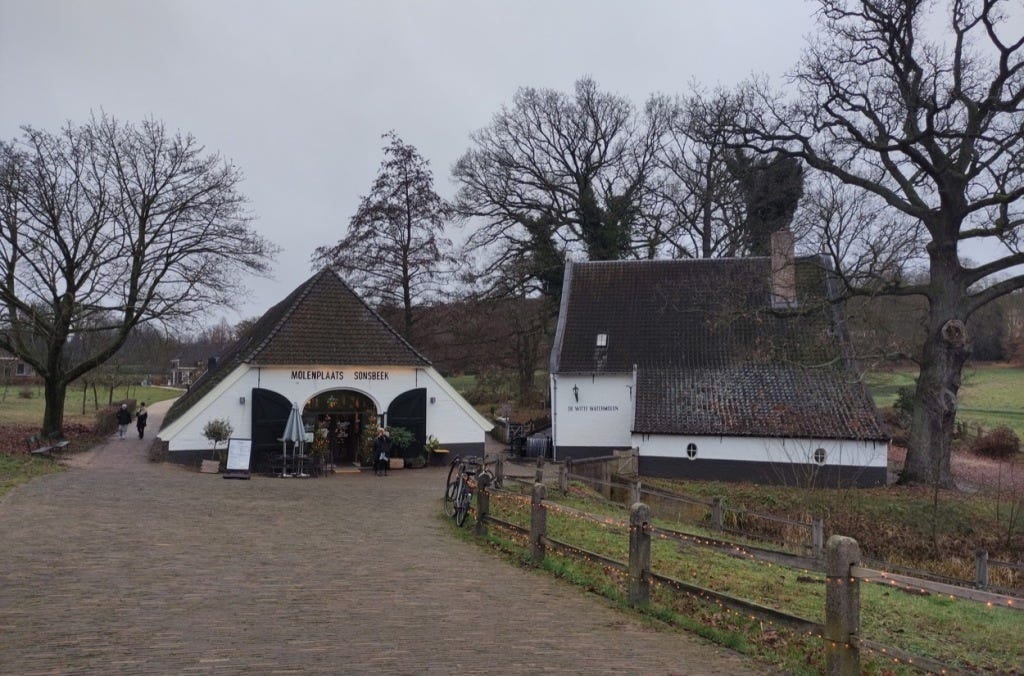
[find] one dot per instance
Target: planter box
(210, 467)
(396, 463)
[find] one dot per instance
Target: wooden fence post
(538, 523)
(981, 567)
(483, 504)
(563, 478)
(818, 537)
(639, 554)
(636, 492)
(842, 607)
(717, 513)
(539, 478)
(606, 479)
(499, 472)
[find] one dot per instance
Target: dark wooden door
(409, 410)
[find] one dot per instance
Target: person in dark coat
(140, 419)
(124, 418)
(381, 452)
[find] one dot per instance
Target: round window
(819, 456)
(691, 451)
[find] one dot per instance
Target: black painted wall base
(774, 473)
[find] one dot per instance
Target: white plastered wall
(839, 452)
(592, 410)
(449, 417)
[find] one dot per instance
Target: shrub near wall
(1000, 443)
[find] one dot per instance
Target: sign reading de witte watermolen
(340, 375)
(591, 409)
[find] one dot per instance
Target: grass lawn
(990, 395)
(17, 409)
(967, 634)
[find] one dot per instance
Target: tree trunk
(935, 401)
(54, 391)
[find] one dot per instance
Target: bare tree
(394, 252)
(107, 226)
(556, 174)
(933, 125)
(702, 201)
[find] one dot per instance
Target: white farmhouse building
(723, 369)
(323, 349)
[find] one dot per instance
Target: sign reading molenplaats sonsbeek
(340, 375)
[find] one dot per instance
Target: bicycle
(458, 492)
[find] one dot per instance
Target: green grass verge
(18, 469)
(961, 633)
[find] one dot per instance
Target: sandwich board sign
(239, 459)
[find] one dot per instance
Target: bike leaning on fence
(458, 491)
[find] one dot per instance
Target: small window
(21, 369)
(602, 340)
(819, 456)
(691, 451)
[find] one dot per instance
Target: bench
(36, 446)
(54, 442)
(57, 442)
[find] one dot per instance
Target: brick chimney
(783, 269)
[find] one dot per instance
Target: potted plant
(401, 439)
(217, 430)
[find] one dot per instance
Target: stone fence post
(538, 523)
(639, 554)
(842, 607)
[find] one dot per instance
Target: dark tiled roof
(712, 356)
(776, 400)
(322, 322)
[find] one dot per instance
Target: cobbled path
(121, 566)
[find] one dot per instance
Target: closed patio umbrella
(295, 432)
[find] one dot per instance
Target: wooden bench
(36, 446)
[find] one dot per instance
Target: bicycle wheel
(462, 498)
(449, 489)
(449, 498)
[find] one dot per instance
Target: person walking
(124, 418)
(140, 419)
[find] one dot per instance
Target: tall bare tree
(394, 252)
(702, 200)
(106, 226)
(555, 174)
(932, 123)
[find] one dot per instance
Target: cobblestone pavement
(121, 566)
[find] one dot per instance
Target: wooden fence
(842, 566)
(803, 538)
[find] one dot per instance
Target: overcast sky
(298, 93)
